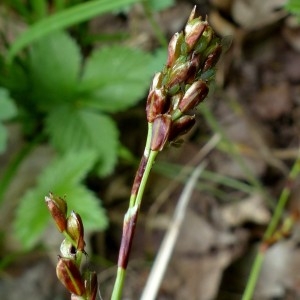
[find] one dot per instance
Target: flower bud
(156, 104)
(193, 96)
(193, 30)
(204, 40)
(193, 69)
(174, 48)
(58, 209)
(160, 132)
(69, 275)
(175, 100)
(213, 55)
(179, 73)
(91, 285)
(67, 249)
(181, 126)
(156, 81)
(75, 230)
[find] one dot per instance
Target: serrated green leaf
(61, 20)
(115, 78)
(8, 108)
(69, 169)
(62, 177)
(54, 65)
(86, 204)
(77, 129)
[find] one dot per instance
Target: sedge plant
(174, 93)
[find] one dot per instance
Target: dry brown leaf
(255, 14)
(252, 209)
(273, 102)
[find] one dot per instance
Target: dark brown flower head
(58, 209)
(184, 81)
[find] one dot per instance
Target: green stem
(119, 283)
(255, 271)
(257, 265)
(131, 216)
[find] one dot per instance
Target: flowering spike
(58, 209)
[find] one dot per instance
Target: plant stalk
(257, 265)
(131, 215)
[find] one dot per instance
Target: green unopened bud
(75, 230)
(58, 209)
(181, 126)
(69, 275)
(193, 96)
(160, 132)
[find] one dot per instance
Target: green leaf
(61, 20)
(62, 177)
(73, 129)
(158, 5)
(7, 106)
(54, 66)
(3, 138)
(158, 61)
(86, 204)
(115, 78)
(293, 6)
(7, 111)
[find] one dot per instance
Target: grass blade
(63, 19)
